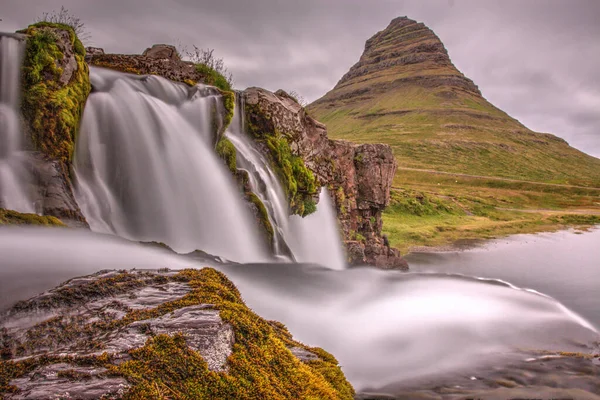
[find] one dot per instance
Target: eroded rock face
(359, 177)
(53, 190)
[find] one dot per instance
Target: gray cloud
(538, 59)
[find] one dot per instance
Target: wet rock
(68, 381)
(303, 354)
(359, 177)
(140, 334)
(53, 191)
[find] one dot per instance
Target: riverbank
(450, 213)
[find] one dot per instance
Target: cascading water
(145, 168)
(13, 175)
(312, 239)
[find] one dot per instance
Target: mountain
(404, 91)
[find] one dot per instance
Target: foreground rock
(142, 334)
(359, 177)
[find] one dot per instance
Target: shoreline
(462, 245)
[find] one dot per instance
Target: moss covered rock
(266, 123)
(198, 341)
(10, 217)
(56, 85)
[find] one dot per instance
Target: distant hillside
(405, 92)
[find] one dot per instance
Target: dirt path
(496, 178)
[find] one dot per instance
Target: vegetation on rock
(263, 215)
(261, 365)
(52, 107)
(298, 181)
(226, 151)
(10, 217)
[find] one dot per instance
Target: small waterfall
(312, 239)
(14, 177)
(262, 179)
(146, 170)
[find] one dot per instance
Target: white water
(312, 239)
(145, 168)
(384, 327)
(14, 177)
(262, 179)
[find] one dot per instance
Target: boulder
(142, 334)
(162, 51)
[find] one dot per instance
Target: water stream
(14, 177)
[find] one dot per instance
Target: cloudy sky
(537, 60)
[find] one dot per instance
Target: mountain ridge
(406, 92)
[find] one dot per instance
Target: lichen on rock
(56, 84)
(145, 334)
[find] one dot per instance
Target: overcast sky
(537, 60)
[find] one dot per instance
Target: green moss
(298, 181)
(226, 150)
(229, 104)
(310, 206)
(263, 215)
(9, 217)
(212, 77)
(52, 111)
(260, 366)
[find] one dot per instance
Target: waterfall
(262, 179)
(312, 239)
(14, 177)
(146, 170)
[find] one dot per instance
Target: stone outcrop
(53, 191)
(138, 334)
(359, 177)
(162, 51)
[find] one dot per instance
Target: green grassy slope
(405, 92)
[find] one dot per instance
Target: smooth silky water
(385, 327)
(14, 177)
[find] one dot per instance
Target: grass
(441, 215)
(435, 124)
(10, 217)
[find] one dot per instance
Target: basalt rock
(359, 177)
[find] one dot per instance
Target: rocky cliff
(359, 177)
(156, 334)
